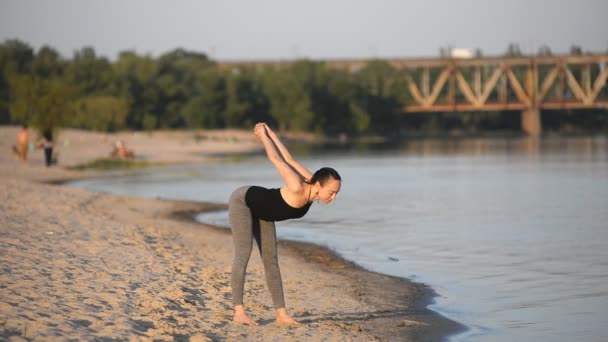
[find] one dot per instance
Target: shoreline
(82, 264)
(415, 322)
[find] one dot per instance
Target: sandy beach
(81, 265)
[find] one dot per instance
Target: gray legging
(245, 227)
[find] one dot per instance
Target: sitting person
(121, 151)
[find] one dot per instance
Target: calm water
(511, 234)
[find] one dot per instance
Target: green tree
(246, 102)
(513, 50)
(15, 59)
(544, 50)
(237, 105)
(576, 50)
(176, 83)
(135, 81)
(337, 103)
(289, 95)
(206, 108)
(380, 96)
(43, 103)
(48, 63)
(101, 113)
(89, 74)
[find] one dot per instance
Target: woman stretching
(254, 209)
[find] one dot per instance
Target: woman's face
(329, 190)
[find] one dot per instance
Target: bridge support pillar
(530, 122)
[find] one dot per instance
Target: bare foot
(244, 319)
(283, 318)
(240, 316)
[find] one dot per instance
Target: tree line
(186, 89)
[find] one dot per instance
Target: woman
(253, 211)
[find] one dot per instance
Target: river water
(512, 234)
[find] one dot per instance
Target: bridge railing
(505, 84)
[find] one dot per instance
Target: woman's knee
(240, 260)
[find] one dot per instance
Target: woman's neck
(310, 200)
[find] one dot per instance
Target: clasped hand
(260, 129)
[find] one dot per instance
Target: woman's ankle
(281, 312)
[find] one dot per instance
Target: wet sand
(83, 265)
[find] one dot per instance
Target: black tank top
(269, 205)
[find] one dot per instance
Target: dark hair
(48, 134)
(323, 174)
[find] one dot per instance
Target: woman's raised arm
(304, 172)
(292, 179)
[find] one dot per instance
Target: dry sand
(81, 265)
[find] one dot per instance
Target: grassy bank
(111, 164)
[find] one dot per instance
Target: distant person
(253, 211)
(121, 151)
(46, 143)
(23, 142)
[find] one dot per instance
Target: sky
(315, 29)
